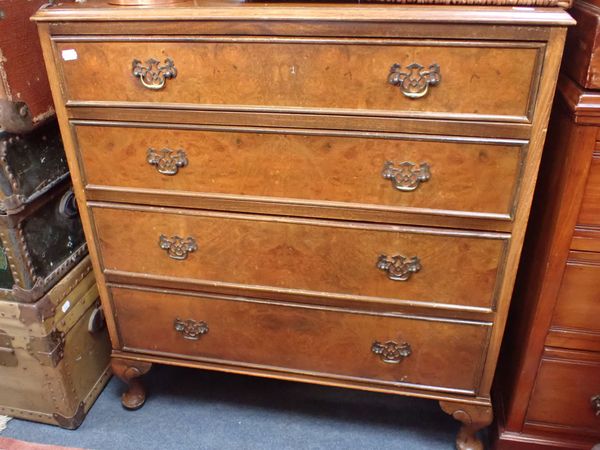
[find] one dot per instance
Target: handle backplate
(414, 81)
(398, 267)
(190, 329)
(391, 352)
(167, 161)
(152, 74)
(177, 247)
(406, 176)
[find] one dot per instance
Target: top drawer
(374, 77)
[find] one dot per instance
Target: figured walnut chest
(333, 194)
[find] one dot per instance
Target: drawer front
(325, 341)
(589, 214)
(578, 304)
(566, 395)
(303, 257)
(493, 80)
(454, 177)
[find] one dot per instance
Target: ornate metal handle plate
(391, 352)
(176, 247)
(398, 267)
(595, 401)
(152, 74)
(415, 80)
(407, 176)
(167, 161)
(190, 329)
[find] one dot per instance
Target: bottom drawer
(567, 393)
(434, 354)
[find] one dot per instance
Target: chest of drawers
(333, 194)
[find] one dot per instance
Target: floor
(191, 409)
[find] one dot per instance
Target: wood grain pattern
(280, 53)
(344, 167)
(586, 239)
(254, 26)
(554, 216)
(303, 255)
(561, 397)
(70, 150)
(238, 11)
(194, 116)
(550, 357)
(590, 206)
(482, 79)
(543, 107)
(303, 339)
(582, 52)
(578, 302)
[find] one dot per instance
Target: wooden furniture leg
(473, 418)
(129, 372)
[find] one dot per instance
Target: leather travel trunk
(55, 353)
(30, 165)
(39, 245)
(25, 98)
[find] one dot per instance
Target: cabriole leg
(129, 372)
(473, 418)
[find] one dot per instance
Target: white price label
(69, 54)
(66, 305)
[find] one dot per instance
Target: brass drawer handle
(167, 161)
(398, 267)
(152, 74)
(407, 176)
(176, 247)
(391, 352)
(190, 329)
(595, 401)
(414, 82)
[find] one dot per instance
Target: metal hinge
(8, 357)
(48, 350)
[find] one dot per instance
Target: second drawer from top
(354, 172)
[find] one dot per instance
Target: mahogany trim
(583, 105)
(574, 338)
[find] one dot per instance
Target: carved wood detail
(473, 418)
(129, 372)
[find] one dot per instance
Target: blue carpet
(193, 409)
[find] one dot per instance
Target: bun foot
(129, 372)
(473, 418)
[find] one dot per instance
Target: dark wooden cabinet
(548, 383)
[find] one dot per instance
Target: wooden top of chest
(234, 10)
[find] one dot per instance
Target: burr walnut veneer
(328, 193)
